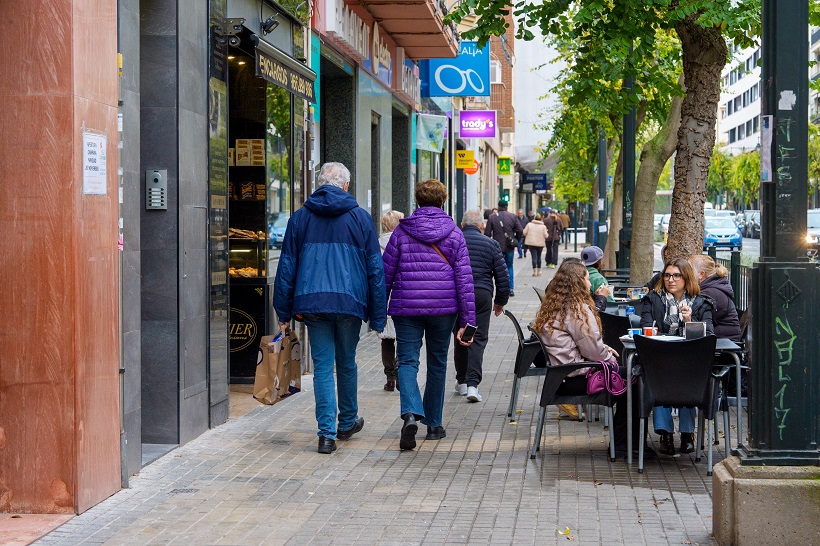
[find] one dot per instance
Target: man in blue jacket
(330, 272)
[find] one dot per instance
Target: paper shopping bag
(265, 380)
(289, 367)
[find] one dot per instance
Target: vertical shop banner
(430, 132)
(468, 75)
(477, 124)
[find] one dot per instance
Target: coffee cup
(632, 332)
(650, 331)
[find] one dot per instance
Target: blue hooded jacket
(331, 261)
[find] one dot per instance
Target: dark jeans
(508, 259)
(577, 386)
(552, 252)
(469, 359)
(434, 330)
(535, 255)
(389, 358)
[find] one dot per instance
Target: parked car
(722, 233)
(665, 226)
(727, 214)
(751, 224)
(813, 229)
(277, 229)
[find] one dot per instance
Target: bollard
(712, 251)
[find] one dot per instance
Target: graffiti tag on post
(784, 345)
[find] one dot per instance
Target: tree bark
(654, 156)
(704, 55)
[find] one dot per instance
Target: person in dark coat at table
(489, 274)
(674, 301)
(714, 283)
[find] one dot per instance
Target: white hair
(334, 174)
(472, 218)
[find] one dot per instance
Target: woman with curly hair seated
(570, 328)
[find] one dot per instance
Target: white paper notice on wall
(94, 164)
(787, 100)
(766, 134)
(370, 199)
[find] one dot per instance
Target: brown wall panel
(59, 432)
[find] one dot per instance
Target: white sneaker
(461, 388)
(472, 394)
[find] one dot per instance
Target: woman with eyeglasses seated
(674, 301)
(570, 328)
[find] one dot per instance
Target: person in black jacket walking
(503, 226)
(487, 263)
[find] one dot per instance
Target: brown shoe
(667, 443)
(687, 442)
(390, 385)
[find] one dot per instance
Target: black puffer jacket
(724, 316)
(654, 311)
(487, 262)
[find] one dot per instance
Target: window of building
(741, 132)
(738, 102)
(756, 124)
(732, 135)
(729, 108)
(495, 71)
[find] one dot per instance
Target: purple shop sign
(477, 124)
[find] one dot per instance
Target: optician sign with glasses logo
(468, 75)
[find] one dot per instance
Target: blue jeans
(436, 331)
(508, 259)
(662, 419)
(333, 339)
(521, 247)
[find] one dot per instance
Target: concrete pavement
(258, 478)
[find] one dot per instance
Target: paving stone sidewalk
(259, 480)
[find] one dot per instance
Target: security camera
(268, 25)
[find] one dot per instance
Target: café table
(722, 346)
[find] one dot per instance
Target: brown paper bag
(278, 368)
(264, 382)
(289, 368)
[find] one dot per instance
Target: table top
(722, 344)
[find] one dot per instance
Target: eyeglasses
(675, 276)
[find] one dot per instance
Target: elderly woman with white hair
(390, 220)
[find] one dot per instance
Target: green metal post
(734, 274)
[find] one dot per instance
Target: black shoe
(390, 385)
(326, 445)
(346, 434)
(435, 433)
(667, 443)
(408, 432)
(512, 293)
(687, 442)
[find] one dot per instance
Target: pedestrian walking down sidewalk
(389, 360)
(257, 480)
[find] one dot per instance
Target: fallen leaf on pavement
(564, 532)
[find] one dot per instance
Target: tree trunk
(654, 156)
(704, 55)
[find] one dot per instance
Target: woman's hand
(612, 352)
(686, 313)
(458, 336)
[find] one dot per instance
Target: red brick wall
(502, 94)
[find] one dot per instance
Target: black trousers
(389, 359)
(469, 359)
(577, 386)
(552, 252)
(535, 253)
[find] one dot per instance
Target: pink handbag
(607, 378)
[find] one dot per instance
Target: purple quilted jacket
(419, 282)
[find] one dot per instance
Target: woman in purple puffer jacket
(429, 285)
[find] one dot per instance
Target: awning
(281, 69)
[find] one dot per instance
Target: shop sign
(504, 165)
(538, 180)
(284, 76)
(406, 79)
(477, 124)
(349, 28)
(468, 75)
(464, 159)
(243, 330)
(473, 169)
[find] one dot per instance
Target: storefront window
(277, 169)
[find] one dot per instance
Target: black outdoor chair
(679, 374)
(528, 350)
(614, 326)
(552, 382)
